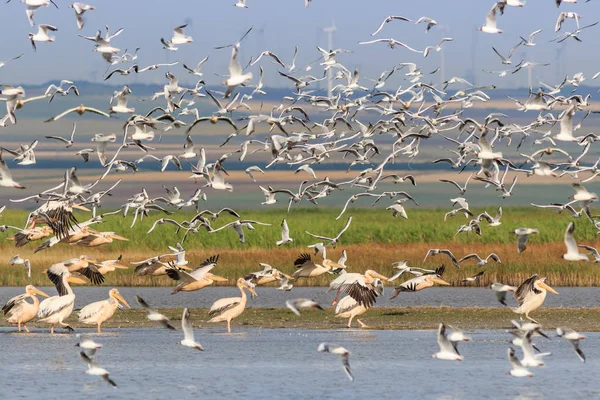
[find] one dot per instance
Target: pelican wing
(345, 305)
(15, 303)
(222, 305)
(92, 310)
(54, 304)
(525, 289)
(354, 285)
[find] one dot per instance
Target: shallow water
(281, 363)
(270, 297)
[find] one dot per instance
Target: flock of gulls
(306, 129)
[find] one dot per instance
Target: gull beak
(72, 279)
(122, 300)
(440, 281)
(36, 291)
(548, 288)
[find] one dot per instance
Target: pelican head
(115, 295)
(328, 263)
(32, 290)
(375, 275)
(244, 284)
(540, 284)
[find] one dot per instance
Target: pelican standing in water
(19, 310)
(100, 311)
(350, 308)
(231, 307)
(530, 295)
(54, 310)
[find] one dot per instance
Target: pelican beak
(217, 278)
(82, 208)
(251, 290)
(548, 288)
(440, 281)
(36, 291)
(122, 300)
(185, 267)
(72, 279)
(120, 266)
(288, 277)
(383, 278)
(119, 238)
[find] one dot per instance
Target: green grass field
(374, 240)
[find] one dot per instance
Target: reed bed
(375, 240)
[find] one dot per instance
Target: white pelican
(231, 307)
(347, 307)
(197, 279)
(309, 269)
(517, 369)
(267, 275)
(501, 290)
(359, 286)
(107, 266)
(95, 370)
(421, 282)
(54, 310)
(19, 310)
(188, 332)
(154, 315)
(573, 337)
(448, 349)
(100, 311)
(341, 352)
(296, 304)
(531, 294)
(572, 253)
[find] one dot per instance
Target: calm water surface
(282, 363)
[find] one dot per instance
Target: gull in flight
(95, 370)
(296, 304)
(392, 43)
(435, 252)
(523, 236)
(236, 75)
(188, 332)
(42, 35)
(426, 20)
(481, 261)
(529, 41)
(448, 348)
(501, 290)
(572, 253)
(517, 369)
(17, 260)
(341, 352)
(390, 19)
(3, 63)
(196, 71)
(178, 38)
(69, 142)
(592, 250)
(154, 315)
(285, 234)
(80, 9)
(473, 278)
(32, 5)
(490, 22)
(573, 337)
(333, 241)
(88, 345)
(6, 179)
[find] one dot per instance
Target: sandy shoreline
(384, 318)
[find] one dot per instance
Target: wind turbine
(329, 31)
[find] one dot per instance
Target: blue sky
(281, 24)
